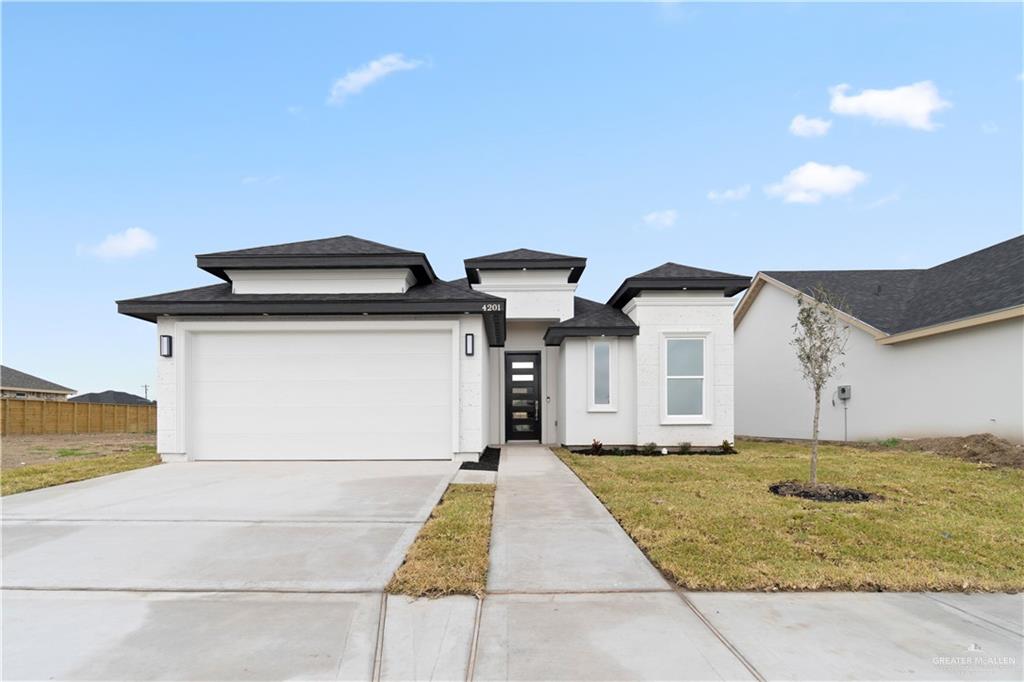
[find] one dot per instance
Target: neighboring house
(343, 348)
(111, 398)
(24, 386)
(935, 352)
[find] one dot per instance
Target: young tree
(820, 343)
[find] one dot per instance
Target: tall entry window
(602, 361)
(685, 380)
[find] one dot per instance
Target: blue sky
(629, 134)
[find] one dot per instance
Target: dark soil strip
(822, 492)
(488, 461)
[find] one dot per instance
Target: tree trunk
(814, 438)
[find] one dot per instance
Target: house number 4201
(492, 307)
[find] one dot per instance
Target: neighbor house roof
(899, 304)
(345, 251)
(13, 379)
(218, 299)
(111, 398)
(591, 319)
(529, 259)
(676, 277)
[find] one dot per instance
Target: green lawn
(450, 554)
(710, 523)
(20, 479)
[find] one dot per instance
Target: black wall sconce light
(165, 346)
(470, 344)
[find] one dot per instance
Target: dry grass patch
(450, 554)
(710, 523)
(35, 476)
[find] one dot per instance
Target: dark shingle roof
(524, 258)
(111, 398)
(11, 378)
(345, 251)
(221, 293)
(345, 245)
(217, 299)
(895, 301)
(878, 297)
(591, 319)
(522, 255)
(675, 277)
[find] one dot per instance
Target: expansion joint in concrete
(721, 638)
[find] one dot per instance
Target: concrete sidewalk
(570, 597)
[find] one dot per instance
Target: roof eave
(216, 264)
(150, 311)
(575, 266)
(729, 286)
(554, 336)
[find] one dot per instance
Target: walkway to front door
(522, 396)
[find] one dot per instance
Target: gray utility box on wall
(844, 392)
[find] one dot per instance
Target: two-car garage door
(320, 395)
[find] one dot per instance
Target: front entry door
(522, 396)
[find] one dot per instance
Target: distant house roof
(676, 277)
(437, 297)
(345, 251)
(111, 398)
(12, 379)
(903, 301)
(591, 319)
(529, 259)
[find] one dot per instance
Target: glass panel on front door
(522, 396)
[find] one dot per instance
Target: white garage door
(321, 395)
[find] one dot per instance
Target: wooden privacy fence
(21, 417)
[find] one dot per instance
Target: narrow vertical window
(602, 373)
(684, 377)
(602, 368)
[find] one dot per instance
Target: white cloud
(127, 244)
(802, 126)
(882, 201)
(661, 220)
(909, 105)
(989, 128)
(735, 194)
(812, 182)
(357, 80)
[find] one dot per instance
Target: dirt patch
(821, 492)
(22, 450)
(980, 447)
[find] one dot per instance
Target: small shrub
(648, 448)
(889, 442)
(685, 448)
(727, 448)
(596, 446)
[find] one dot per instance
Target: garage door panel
(320, 395)
(354, 446)
(331, 367)
(319, 420)
(323, 392)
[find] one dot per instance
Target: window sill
(686, 421)
(602, 408)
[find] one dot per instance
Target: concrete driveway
(219, 570)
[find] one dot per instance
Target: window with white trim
(602, 372)
(685, 387)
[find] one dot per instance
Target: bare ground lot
(20, 451)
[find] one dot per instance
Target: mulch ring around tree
(821, 492)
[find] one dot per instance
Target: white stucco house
(343, 348)
(931, 352)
